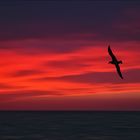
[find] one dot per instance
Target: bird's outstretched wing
(111, 53)
(119, 71)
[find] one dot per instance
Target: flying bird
(115, 62)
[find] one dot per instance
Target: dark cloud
(40, 46)
(4, 86)
(69, 64)
(22, 94)
(63, 19)
(22, 73)
(130, 76)
(127, 26)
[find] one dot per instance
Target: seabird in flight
(115, 62)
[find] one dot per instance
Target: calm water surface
(69, 125)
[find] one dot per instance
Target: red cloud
(78, 72)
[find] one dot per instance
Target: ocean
(72, 125)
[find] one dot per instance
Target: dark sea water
(69, 125)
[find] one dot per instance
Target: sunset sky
(53, 55)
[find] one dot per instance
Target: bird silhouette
(115, 62)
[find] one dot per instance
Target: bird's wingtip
(108, 47)
(121, 77)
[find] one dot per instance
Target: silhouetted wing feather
(111, 53)
(119, 71)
